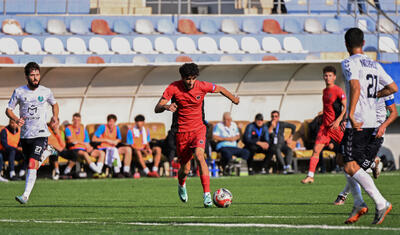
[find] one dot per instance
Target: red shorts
(187, 141)
(326, 134)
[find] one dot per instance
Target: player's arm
(227, 94)
(162, 106)
(354, 97)
(55, 108)
(11, 106)
(336, 123)
(388, 90)
(392, 116)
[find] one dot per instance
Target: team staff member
(10, 146)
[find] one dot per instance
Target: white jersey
(370, 75)
(32, 108)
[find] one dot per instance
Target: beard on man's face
(33, 84)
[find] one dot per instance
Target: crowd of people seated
(105, 153)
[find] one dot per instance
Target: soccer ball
(222, 198)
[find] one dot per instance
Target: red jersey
(190, 110)
(332, 99)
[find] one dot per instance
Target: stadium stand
(144, 26)
(99, 46)
(292, 26)
(34, 26)
(76, 45)
(100, 26)
(120, 45)
(250, 26)
(250, 45)
(53, 45)
(385, 26)
(143, 45)
(229, 45)
(333, 26)
(272, 45)
(208, 26)
(165, 26)
(9, 46)
(31, 46)
(95, 60)
(187, 26)
(55, 26)
(186, 45)
(230, 26)
(386, 44)
(121, 26)
(312, 26)
(79, 26)
(293, 44)
(208, 45)
(165, 45)
(12, 27)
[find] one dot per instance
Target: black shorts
(33, 148)
(360, 146)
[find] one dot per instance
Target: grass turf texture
(108, 206)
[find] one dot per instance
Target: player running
(187, 97)
(362, 76)
(32, 100)
(384, 104)
(334, 101)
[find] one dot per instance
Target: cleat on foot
(21, 199)
(207, 200)
(380, 214)
(356, 213)
(308, 180)
(182, 193)
(340, 200)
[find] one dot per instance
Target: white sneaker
(21, 173)
(3, 179)
(55, 175)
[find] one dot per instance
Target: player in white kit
(362, 77)
(33, 100)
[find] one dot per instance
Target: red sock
(205, 181)
(182, 181)
(313, 164)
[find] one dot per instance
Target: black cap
(259, 116)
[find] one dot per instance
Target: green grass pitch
(272, 204)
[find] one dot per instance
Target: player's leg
(56, 167)
(182, 176)
(313, 163)
(1, 167)
(276, 149)
(71, 156)
(342, 196)
(11, 152)
(287, 169)
(139, 155)
(100, 155)
(126, 151)
(85, 155)
(226, 156)
(357, 156)
(156, 159)
(204, 175)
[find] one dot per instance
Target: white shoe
(3, 179)
(55, 175)
(21, 173)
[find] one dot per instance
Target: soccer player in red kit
(330, 133)
(187, 104)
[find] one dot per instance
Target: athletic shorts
(33, 148)
(186, 142)
(360, 146)
(326, 134)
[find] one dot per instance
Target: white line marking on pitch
(245, 217)
(289, 226)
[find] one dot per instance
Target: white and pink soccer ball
(222, 198)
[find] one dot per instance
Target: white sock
(355, 189)
(94, 167)
(29, 182)
(146, 170)
(68, 170)
(206, 194)
(116, 170)
(100, 166)
(155, 168)
(127, 169)
(57, 170)
(310, 174)
(368, 185)
(12, 174)
(346, 189)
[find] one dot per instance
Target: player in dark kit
(187, 103)
(334, 101)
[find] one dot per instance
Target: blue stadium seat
(75, 60)
(122, 26)
(292, 26)
(164, 59)
(250, 26)
(78, 6)
(51, 6)
(33, 26)
(79, 26)
(333, 26)
(165, 26)
(208, 26)
(20, 7)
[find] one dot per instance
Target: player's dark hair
(188, 70)
(354, 37)
(328, 69)
(30, 67)
(275, 111)
(78, 115)
(139, 118)
(111, 116)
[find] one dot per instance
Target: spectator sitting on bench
(226, 133)
(10, 147)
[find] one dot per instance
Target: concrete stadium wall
(293, 88)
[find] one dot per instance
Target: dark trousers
(276, 6)
(1, 161)
(253, 149)
(228, 152)
(278, 149)
(12, 154)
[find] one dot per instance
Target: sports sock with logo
(355, 189)
(29, 182)
(368, 185)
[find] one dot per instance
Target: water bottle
(298, 145)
